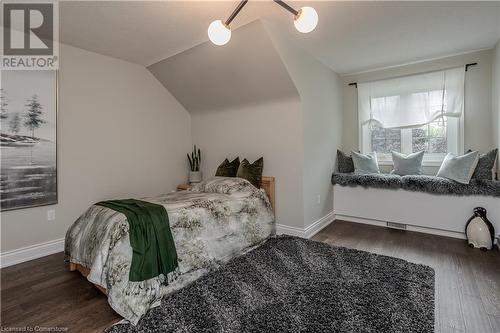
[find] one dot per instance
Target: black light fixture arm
(244, 2)
(235, 12)
(287, 7)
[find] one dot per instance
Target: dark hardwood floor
(44, 293)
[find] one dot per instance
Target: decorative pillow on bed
(223, 185)
(459, 168)
(344, 162)
(365, 163)
(228, 169)
(251, 172)
(410, 164)
(485, 168)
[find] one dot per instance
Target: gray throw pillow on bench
(410, 164)
(486, 165)
(459, 168)
(344, 162)
(365, 163)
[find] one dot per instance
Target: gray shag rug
(419, 183)
(291, 284)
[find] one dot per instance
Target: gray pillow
(485, 165)
(344, 162)
(459, 168)
(365, 163)
(410, 164)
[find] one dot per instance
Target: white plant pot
(194, 176)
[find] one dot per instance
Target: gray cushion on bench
(419, 183)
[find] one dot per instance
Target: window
(414, 113)
(385, 140)
(431, 138)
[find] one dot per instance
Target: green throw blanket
(150, 238)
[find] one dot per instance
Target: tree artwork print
(28, 138)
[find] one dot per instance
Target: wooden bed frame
(267, 185)
(85, 272)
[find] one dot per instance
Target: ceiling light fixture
(305, 20)
(220, 33)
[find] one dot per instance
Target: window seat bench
(419, 183)
(419, 203)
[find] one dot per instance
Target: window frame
(454, 139)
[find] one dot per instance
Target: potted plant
(194, 164)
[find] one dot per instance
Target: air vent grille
(396, 225)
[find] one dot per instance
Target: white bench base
(444, 215)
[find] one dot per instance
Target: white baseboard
(409, 227)
(36, 251)
(28, 253)
(288, 230)
(317, 226)
(309, 231)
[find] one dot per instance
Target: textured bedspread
(225, 218)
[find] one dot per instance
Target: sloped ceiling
(247, 70)
(351, 36)
(357, 36)
(144, 32)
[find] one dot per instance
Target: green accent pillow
(228, 169)
(251, 172)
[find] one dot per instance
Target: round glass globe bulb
(219, 33)
(306, 20)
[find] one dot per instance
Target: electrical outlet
(51, 215)
(319, 199)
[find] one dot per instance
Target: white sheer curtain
(412, 101)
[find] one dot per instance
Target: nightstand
(183, 187)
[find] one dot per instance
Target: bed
(217, 220)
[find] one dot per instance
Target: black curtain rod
(468, 65)
(466, 69)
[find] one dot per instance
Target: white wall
(271, 130)
(207, 77)
(297, 137)
(478, 116)
(247, 108)
(121, 134)
(320, 91)
(496, 98)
